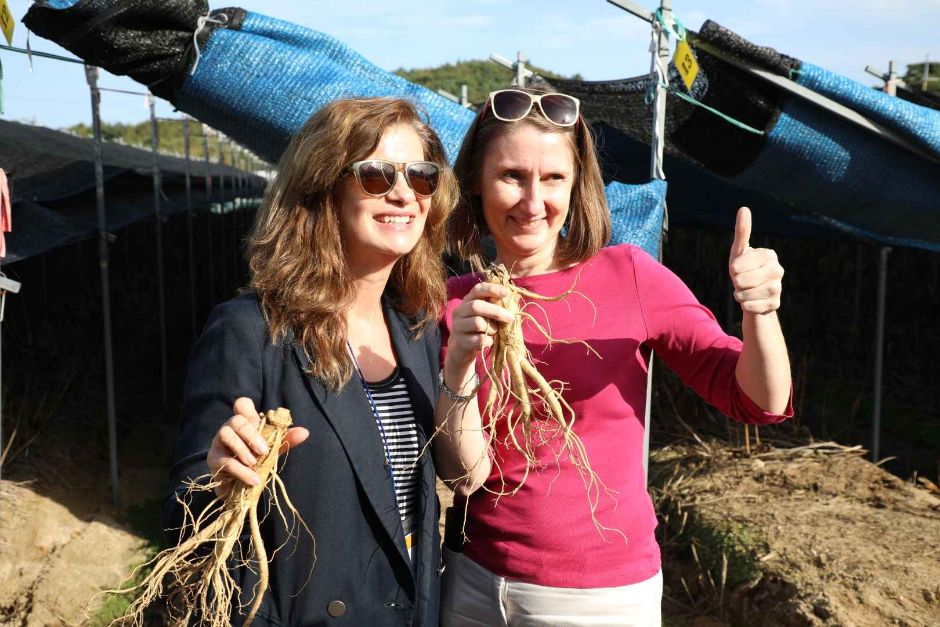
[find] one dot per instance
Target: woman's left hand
(756, 275)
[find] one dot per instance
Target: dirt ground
(814, 535)
(62, 541)
(810, 536)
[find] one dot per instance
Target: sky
(590, 37)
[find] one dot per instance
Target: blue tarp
(260, 83)
(851, 179)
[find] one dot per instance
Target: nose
(533, 198)
(401, 192)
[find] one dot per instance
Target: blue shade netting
(260, 83)
(637, 213)
(919, 124)
(848, 178)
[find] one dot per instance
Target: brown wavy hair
(295, 251)
(588, 222)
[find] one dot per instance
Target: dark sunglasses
(510, 105)
(377, 177)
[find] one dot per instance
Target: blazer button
(336, 609)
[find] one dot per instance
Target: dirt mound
(62, 541)
(814, 535)
(55, 562)
(807, 536)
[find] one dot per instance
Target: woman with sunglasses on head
(339, 327)
(536, 551)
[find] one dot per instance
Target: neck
(366, 329)
(541, 262)
(369, 280)
(367, 304)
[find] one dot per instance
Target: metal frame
(158, 240)
(660, 54)
(91, 75)
(890, 87)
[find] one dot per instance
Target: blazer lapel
(414, 361)
(350, 415)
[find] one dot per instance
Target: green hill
(170, 135)
(480, 77)
(915, 76)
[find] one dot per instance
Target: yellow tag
(6, 22)
(685, 62)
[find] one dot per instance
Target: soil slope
(808, 536)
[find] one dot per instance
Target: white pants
(472, 596)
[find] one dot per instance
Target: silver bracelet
(454, 396)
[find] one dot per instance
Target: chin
(528, 245)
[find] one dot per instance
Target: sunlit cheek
(557, 201)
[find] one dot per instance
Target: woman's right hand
(473, 325)
(238, 445)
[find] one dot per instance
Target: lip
(527, 224)
(380, 218)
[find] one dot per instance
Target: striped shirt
(396, 413)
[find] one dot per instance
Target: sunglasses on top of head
(377, 177)
(510, 105)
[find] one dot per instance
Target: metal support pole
(190, 246)
(464, 98)
(158, 235)
(891, 84)
(660, 57)
(857, 300)
(890, 88)
(237, 176)
(659, 106)
(656, 172)
(520, 69)
(211, 256)
(879, 352)
(222, 219)
(91, 75)
(925, 79)
(234, 222)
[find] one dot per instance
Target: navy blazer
(361, 574)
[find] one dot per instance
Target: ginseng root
(536, 412)
(194, 575)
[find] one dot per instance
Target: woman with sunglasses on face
(339, 327)
(543, 555)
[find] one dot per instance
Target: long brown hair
(588, 223)
(295, 252)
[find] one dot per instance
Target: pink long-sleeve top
(623, 304)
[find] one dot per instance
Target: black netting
(52, 180)
(732, 44)
(149, 40)
(691, 132)
(922, 98)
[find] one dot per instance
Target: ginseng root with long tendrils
(534, 408)
(194, 575)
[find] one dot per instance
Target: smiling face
(525, 184)
(378, 231)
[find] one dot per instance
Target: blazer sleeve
(225, 364)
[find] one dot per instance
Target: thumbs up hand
(756, 275)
